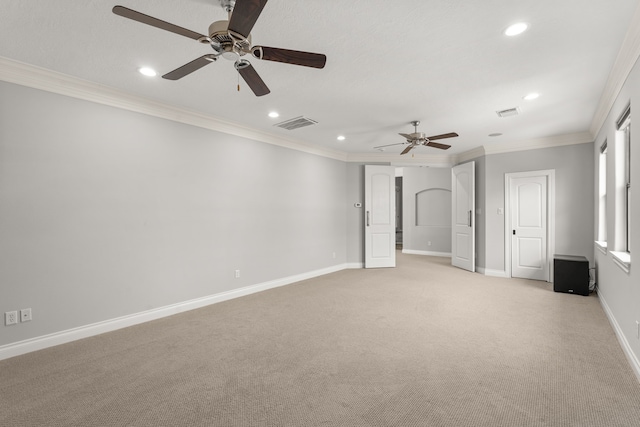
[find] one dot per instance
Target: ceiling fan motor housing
(230, 47)
(417, 138)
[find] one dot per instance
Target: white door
(463, 199)
(380, 223)
(528, 216)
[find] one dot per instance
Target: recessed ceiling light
(274, 114)
(146, 71)
(516, 29)
(531, 96)
(495, 134)
(341, 138)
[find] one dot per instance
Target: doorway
(529, 224)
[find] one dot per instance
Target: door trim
(551, 216)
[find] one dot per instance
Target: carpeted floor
(423, 344)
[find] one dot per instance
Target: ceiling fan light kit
(231, 40)
(418, 138)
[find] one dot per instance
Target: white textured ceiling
(443, 62)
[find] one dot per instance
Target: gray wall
(105, 212)
(619, 290)
(435, 226)
(573, 165)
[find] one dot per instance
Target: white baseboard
(427, 253)
(626, 348)
(492, 273)
(355, 265)
(62, 337)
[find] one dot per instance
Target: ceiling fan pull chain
(238, 82)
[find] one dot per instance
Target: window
(602, 199)
(628, 195)
(622, 253)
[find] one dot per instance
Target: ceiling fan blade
(438, 145)
(253, 80)
(154, 22)
(406, 150)
(190, 67)
(244, 16)
(295, 57)
(390, 145)
(406, 136)
(443, 136)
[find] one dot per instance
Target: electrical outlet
(25, 315)
(10, 318)
(237, 274)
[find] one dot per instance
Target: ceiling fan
(231, 40)
(418, 138)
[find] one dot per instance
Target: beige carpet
(424, 344)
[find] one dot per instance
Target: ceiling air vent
(509, 112)
(298, 122)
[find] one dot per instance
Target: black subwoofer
(571, 274)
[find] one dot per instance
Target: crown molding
(470, 155)
(480, 151)
(400, 160)
(39, 78)
(624, 63)
(538, 143)
(51, 81)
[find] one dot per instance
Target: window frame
(624, 125)
(601, 242)
(622, 169)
